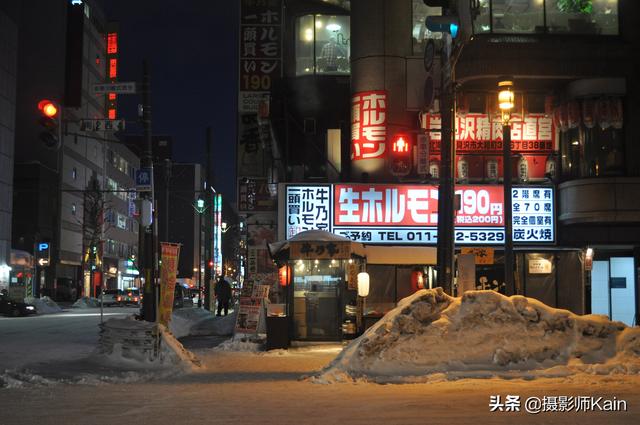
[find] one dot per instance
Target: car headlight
(30, 307)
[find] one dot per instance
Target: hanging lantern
(284, 275)
(589, 113)
(363, 284)
(417, 280)
(603, 113)
(434, 169)
(548, 105)
(463, 168)
(550, 167)
(492, 170)
(573, 114)
(523, 169)
(616, 113)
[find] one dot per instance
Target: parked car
(131, 296)
(14, 308)
(111, 297)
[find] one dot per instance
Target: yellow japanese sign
(483, 255)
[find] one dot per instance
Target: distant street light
(506, 103)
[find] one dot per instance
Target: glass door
(317, 299)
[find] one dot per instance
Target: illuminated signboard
(408, 214)
(368, 125)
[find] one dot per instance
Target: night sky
(191, 46)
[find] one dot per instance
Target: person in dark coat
(222, 292)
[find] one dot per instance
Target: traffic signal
(210, 264)
(50, 122)
(401, 155)
(448, 24)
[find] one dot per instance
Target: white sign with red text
(408, 214)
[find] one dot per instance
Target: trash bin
(277, 332)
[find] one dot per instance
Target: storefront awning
(316, 244)
(400, 255)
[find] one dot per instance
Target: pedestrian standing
(222, 292)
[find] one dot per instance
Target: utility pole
(208, 198)
(147, 247)
(446, 188)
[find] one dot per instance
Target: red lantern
(589, 113)
(573, 114)
(284, 275)
(417, 280)
(603, 113)
(616, 113)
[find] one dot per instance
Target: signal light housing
(401, 155)
(50, 122)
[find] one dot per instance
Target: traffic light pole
(147, 237)
(446, 190)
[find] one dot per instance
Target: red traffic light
(48, 108)
(400, 144)
(401, 158)
(210, 263)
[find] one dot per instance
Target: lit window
(73, 209)
(323, 45)
(74, 173)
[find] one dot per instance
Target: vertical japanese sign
(368, 125)
(170, 253)
(260, 50)
(307, 208)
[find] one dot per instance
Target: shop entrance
(317, 299)
(613, 289)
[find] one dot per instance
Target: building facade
(60, 192)
(364, 114)
(8, 69)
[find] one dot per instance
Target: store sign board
(368, 125)
(477, 133)
(482, 255)
(539, 266)
(408, 214)
(326, 250)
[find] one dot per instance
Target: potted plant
(584, 7)
(582, 10)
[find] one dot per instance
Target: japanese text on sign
(477, 133)
(260, 44)
(308, 208)
(408, 214)
(368, 125)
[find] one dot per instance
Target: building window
(592, 142)
(547, 16)
(419, 32)
(74, 173)
(73, 209)
(323, 45)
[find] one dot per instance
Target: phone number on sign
(420, 236)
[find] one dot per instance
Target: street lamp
(505, 103)
(200, 207)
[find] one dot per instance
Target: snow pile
(483, 334)
(198, 321)
(86, 302)
(240, 344)
(133, 343)
(44, 305)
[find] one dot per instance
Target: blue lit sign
(43, 246)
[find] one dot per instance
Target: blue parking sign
(143, 179)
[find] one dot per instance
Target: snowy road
(69, 335)
(259, 388)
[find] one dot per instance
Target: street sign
(118, 88)
(43, 254)
(143, 179)
(101, 125)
